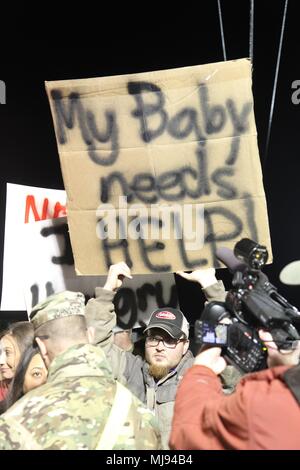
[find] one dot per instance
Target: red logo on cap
(166, 315)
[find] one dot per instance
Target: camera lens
(251, 253)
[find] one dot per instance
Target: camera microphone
(230, 260)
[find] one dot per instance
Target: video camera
(252, 304)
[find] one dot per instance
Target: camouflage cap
(63, 304)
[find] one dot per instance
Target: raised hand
(116, 274)
(205, 277)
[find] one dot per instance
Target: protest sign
(49, 268)
(24, 204)
(38, 260)
(160, 168)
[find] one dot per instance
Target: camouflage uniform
(71, 410)
(13, 436)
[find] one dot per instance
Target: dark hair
(22, 332)
(16, 386)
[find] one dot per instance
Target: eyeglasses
(170, 343)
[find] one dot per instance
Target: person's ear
(186, 346)
(91, 334)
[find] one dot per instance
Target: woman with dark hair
(14, 341)
(2, 359)
(30, 373)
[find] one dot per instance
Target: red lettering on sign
(58, 209)
(30, 205)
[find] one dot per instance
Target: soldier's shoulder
(34, 399)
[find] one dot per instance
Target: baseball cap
(62, 304)
(170, 320)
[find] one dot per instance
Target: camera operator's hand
(116, 275)
(205, 277)
(211, 358)
(278, 357)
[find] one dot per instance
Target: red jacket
(261, 414)
(3, 389)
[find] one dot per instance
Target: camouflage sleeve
(100, 314)
(13, 436)
(140, 431)
(149, 435)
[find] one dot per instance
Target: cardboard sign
(38, 260)
(48, 267)
(24, 204)
(169, 156)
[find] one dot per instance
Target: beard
(158, 372)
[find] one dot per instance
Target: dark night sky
(60, 45)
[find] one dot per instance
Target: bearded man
(153, 378)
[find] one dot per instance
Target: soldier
(81, 406)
